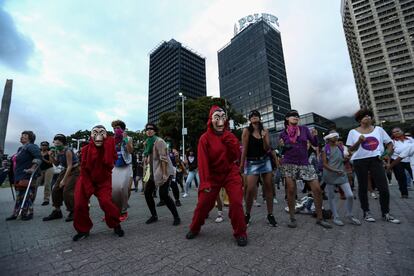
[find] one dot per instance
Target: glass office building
(174, 68)
(252, 73)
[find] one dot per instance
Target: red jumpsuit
(96, 178)
(217, 165)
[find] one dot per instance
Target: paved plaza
(46, 248)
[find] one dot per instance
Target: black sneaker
(12, 217)
(271, 220)
(152, 219)
(190, 235)
(178, 203)
(118, 231)
(324, 224)
(45, 203)
(69, 217)
(80, 236)
(27, 217)
(241, 241)
(161, 203)
(56, 214)
(292, 223)
(247, 219)
(177, 221)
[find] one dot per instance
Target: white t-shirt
(403, 150)
(373, 144)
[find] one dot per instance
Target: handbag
(21, 184)
(147, 173)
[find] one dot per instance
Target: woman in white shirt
(367, 144)
(401, 146)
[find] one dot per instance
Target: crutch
(11, 188)
(27, 191)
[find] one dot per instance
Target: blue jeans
(190, 179)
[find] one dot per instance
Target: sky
(75, 64)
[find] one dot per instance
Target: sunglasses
(44, 145)
(148, 128)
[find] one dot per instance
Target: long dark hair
(251, 128)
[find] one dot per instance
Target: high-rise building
(174, 68)
(4, 112)
(252, 70)
(380, 38)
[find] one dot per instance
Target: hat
(254, 113)
(330, 136)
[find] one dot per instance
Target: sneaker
(190, 235)
(27, 217)
(338, 222)
(368, 217)
(185, 195)
(353, 220)
(152, 219)
(45, 203)
(56, 214)
(178, 203)
(389, 218)
(219, 219)
(271, 220)
(275, 201)
(241, 241)
(69, 217)
(118, 231)
(324, 224)
(12, 217)
(80, 236)
(292, 223)
(247, 219)
(374, 195)
(177, 221)
(123, 217)
(257, 204)
(161, 203)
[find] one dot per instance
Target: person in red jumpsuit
(218, 157)
(98, 159)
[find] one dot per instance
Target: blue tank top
(62, 159)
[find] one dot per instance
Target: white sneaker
(275, 201)
(257, 204)
(219, 219)
(338, 222)
(353, 220)
(374, 195)
(368, 217)
(389, 218)
(185, 195)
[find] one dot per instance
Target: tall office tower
(252, 71)
(380, 38)
(174, 68)
(4, 112)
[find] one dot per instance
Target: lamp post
(183, 130)
(78, 143)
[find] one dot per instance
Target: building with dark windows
(380, 40)
(174, 68)
(252, 71)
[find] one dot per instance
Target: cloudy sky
(78, 63)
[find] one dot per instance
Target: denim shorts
(256, 167)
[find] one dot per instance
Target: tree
(196, 113)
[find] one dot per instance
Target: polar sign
(252, 18)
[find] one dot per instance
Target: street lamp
(183, 130)
(78, 144)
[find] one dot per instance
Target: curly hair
(360, 114)
(119, 123)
